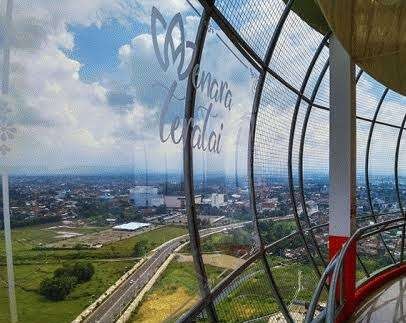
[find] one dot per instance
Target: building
(131, 226)
(145, 196)
(178, 201)
(217, 200)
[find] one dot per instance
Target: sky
(87, 91)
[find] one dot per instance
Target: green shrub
(65, 279)
(82, 271)
(57, 288)
(140, 248)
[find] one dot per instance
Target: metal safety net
(177, 152)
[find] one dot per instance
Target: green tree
(81, 271)
(140, 248)
(57, 288)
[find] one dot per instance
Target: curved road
(113, 306)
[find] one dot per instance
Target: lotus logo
(215, 91)
(169, 44)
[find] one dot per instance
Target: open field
(96, 239)
(27, 244)
(251, 296)
(216, 259)
(235, 242)
(174, 292)
(32, 264)
(27, 238)
(34, 308)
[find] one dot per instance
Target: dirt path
(98, 239)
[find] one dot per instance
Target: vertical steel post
(342, 156)
(6, 200)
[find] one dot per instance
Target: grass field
(251, 296)
(234, 243)
(27, 240)
(33, 265)
(124, 248)
(174, 293)
(33, 308)
(216, 259)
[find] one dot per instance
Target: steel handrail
(334, 269)
(319, 288)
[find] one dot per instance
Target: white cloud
(63, 121)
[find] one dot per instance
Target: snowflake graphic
(4, 109)
(4, 149)
(7, 131)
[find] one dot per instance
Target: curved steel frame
(263, 67)
(367, 185)
(251, 144)
(301, 150)
(290, 153)
(397, 186)
(301, 147)
(364, 268)
(188, 172)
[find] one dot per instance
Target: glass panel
(96, 181)
(223, 112)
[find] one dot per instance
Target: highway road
(112, 307)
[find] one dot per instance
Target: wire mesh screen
(381, 169)
(295, 49)
(294, 275)
(362, 194)
(249, 296)
(254, 21)
(271, 159)
(368, 93)
(158, 109)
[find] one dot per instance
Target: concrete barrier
(134, 304)
(127, 314)
(82, 316)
